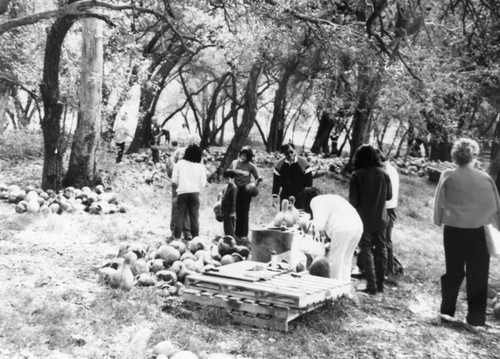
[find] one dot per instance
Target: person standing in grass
(174, 158)
(292, 174)
(466, 200)
(391, 206)
(369, 189)
(244, 169)
(228, 203)
(189, 176)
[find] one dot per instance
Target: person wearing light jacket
(391, 206)
(341, 223)
(466, 200)
(189, 176)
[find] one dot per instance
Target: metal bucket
(267, 240)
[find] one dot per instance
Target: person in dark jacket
(228, 203)
(292, 175)
(369, 189)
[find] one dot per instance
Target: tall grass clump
(21, 144)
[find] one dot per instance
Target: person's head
(366, 156)
(194, 139)
(288, 149)
(464, 151)
(193, 153)
(246, 154)
(228, 175)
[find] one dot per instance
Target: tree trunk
(326, 124)
(206, 133)
(82, 162)
(369, 84)
(249, 114)
(148, 95)
(277, 126)
(4, 101)
(52, 172)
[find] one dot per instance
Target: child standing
(228, 203)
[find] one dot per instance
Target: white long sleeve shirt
(332, 213)
(394, 177)
(189, 177)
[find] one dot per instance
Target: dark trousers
(188, 204)
(173, 214)
(121, 149)
(466, 256)
(243, 200)
(229, 225)
(391, 217)
(373, 257)
(155, 153)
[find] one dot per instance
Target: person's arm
(203, 176)
(439, 199)
(175, 175)
(354, 190)
(254, 173)
(276, 187)
(389, 187)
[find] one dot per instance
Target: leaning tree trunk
(52, 172)
(326, 124)
(4, 101)
(151, 94)
(249, 114)
(82, 162)
(369, 84)
(277, 126)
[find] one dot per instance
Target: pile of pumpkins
(70, 200)
(167, 266)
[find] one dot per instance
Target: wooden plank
(234, 304)
(269, 323)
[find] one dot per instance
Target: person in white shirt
(341, 223)
(391, 206)
(122, 134)
(189, 176)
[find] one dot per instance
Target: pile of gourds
(167, 265)
(495, 303)
(69, 200)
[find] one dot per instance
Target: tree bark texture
(82, 162)
(326, 124)
(249, 114)
(206, 133)
(4, 102)
(369, 85)
(150, 95)
(277, 126)
(52, 172)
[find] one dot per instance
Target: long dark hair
(193, 154)
(246, 150)
(366, 156)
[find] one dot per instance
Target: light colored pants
(342, 247)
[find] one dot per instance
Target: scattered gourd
(70, 200)
(284, 216)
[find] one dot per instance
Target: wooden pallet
(270, 303)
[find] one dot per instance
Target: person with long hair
(369, 189)
(189, 176)
(466, 200)
(244, 170)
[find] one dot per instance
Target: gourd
(285, 216)
(294, 211)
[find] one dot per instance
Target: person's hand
(259, 180)
(275, 201)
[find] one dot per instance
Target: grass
(52, 301)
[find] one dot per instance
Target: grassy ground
(52, 305)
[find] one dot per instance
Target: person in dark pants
(466, 200)
(189, 176)
(369, 189)
(244, 170)
(228, 203)
(292, 174)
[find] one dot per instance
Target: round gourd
(496, 310)
(168, 253)
(33, 206)
(227, 259)
(252, 189)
